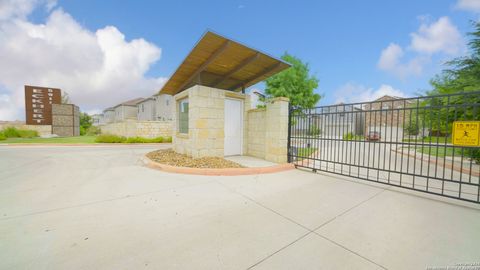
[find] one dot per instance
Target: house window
(167, 101)
(183, 116)
(143, 108)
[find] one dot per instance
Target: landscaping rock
(172, 158)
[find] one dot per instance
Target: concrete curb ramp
(217, 172)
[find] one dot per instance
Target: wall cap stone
(280, 99)
(257, 110)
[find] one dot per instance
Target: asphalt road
(100, 208)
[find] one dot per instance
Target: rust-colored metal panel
(38, 104)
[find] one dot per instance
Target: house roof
(146, 99)
(132, 102)
(219, 62)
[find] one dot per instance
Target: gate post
(289, 139)
(276, 144)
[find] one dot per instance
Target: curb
(217, 172)
(448, 165)
(80, 144)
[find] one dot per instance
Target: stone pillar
(65, 120)
(277, 130)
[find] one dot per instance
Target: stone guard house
(213, 115)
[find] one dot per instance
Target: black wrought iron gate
(404, 142)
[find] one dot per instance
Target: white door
(233, 127)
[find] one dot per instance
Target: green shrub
(167, 139)
(474, 154)
(136, 140)
(2, 136)
(82, 131)
(13, 132)
(144, 140)
(27, 133)
(352, 137)
(93, 130)
(109, 138)
(10, 132)
(156, 140)
(314, 131)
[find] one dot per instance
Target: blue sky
(343, 41)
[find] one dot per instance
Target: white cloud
(352, 92)
(7, 108)
(391, 61)
(98, 69)
(439, 37)
(470, 5)
(21, 8)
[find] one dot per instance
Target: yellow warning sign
(466, 133)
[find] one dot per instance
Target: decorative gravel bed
(172, 158)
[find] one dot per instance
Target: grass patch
(438, 151)
(304, 152)
(104, 138)
(441, 152)
(66, 140)
(430, 139)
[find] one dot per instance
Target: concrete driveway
(98, 208)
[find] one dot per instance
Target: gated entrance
(403, 142)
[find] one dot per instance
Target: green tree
(296, 83)
(85, 123)
(462, 75)
(65, 98)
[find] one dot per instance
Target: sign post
(38, 104)
(466, 133)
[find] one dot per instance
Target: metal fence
(404, 142)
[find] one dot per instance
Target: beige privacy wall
(268, 131)
(134, 128)
(265, 131)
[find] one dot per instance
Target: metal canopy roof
(219, 62)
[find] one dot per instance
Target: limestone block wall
(256, 135)
(276, 132)
(268, 131)
(206, 116)
(152, 129)
(65, 120)
(134, 128)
